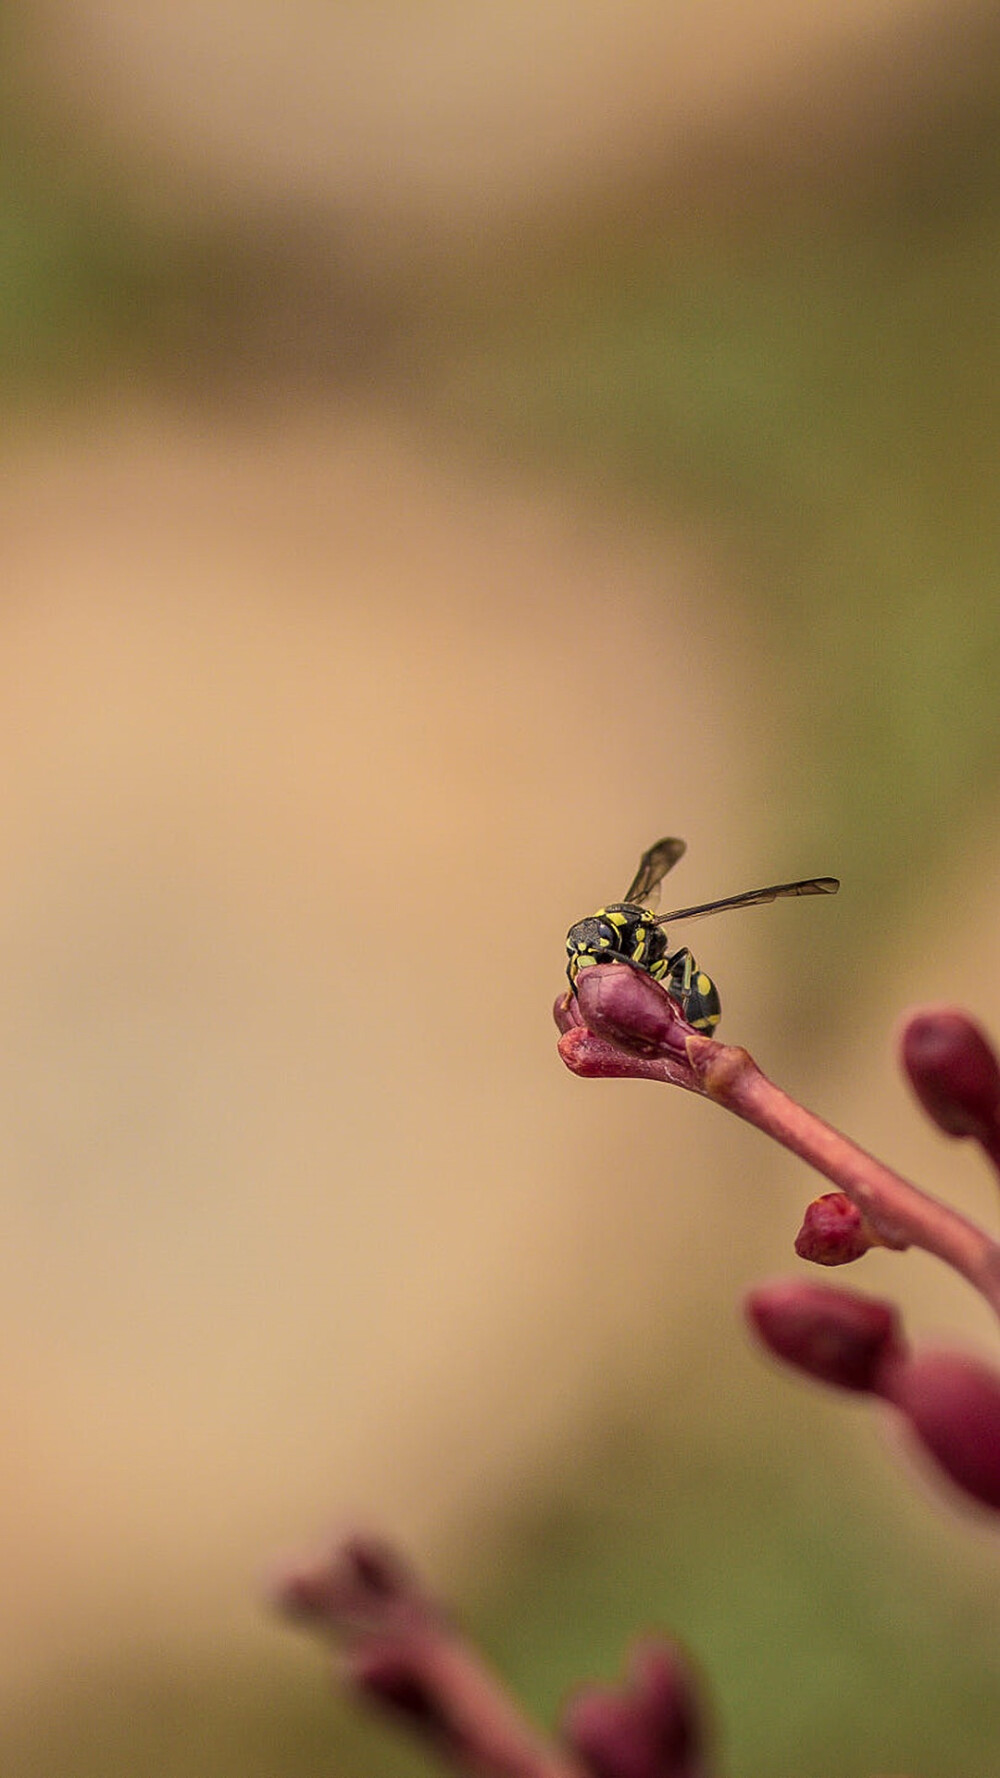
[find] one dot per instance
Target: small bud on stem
(648, 1728)
(835, 1336)
(952, 1403)
(834, 1232)
(955, 1074)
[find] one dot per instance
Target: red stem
(898, 1211)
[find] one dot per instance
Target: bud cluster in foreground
(399, 1652)
(950, 1401)
(623, 1022)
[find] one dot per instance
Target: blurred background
(444, 449)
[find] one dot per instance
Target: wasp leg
(678, 973)
(695, 992)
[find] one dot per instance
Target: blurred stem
(401, 1653)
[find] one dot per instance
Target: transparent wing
(753, 898)
(644, 889)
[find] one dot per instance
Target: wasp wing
(754, 897)
(643, 891)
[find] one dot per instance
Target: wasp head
(622, 930)
(593, 940)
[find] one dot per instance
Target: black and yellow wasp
(628, 931)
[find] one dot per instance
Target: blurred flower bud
(834, 1232)
(833, 1335)
(298, 1592)
(357, 1579)
(626, 1006)
(648, 1728)
(953, 1405)
(954, 1072)
(387, 1675)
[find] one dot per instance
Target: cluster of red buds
(621, 1022)
(399, 1651)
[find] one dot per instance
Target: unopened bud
(833, 1335)
(834, 1232)
(357, 1578)
(626, 1006)
(649, 1728)
(952, 1403)
(387, 1676)
(954, 1072)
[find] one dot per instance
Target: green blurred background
(446, 448)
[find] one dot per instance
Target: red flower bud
(954, 1072)
(626, 1006)
(953, 1405)
(388, 1676)
(648, 1728)
(834, 1232)
(833, 1335)
(358, 1579)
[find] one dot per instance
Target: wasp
(630, 931)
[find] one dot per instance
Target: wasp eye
(605, 934)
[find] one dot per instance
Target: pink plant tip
(834, 1232)
(835, 1336)
(647, 1728)
(952, 1403)
(627, 1007)
(954, 1072)
(359, 1579)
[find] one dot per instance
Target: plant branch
(624, 1024)
(401, 1652)
(900, 1213)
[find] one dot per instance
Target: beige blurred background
(336, 679)
(297, 730)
